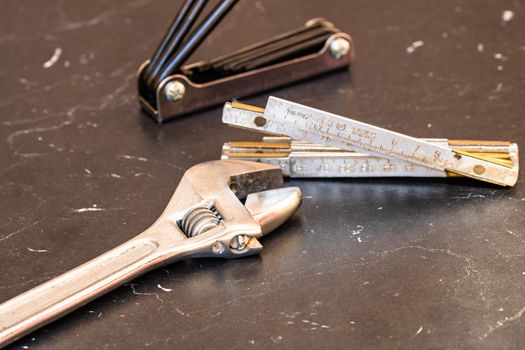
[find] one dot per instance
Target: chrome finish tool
(300, 159)
(299, 122)
(204, 218)
(168, 88)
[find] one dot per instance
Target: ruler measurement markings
(316, 128)
(443, 158)
(347, 140)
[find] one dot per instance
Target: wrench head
(207, 206)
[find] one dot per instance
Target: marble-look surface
(376, 264)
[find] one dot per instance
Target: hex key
(194, 40)
(175, 25)
(173, 44)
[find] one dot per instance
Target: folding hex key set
(333, 146)
(168, 88)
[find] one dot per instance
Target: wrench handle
(67, 292)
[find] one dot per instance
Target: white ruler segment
(305, 123)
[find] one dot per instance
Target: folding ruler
(376, 151)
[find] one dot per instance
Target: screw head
(174, 90)
(339, 47)
(217, 248)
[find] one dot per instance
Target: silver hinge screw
(339, 47)
(174, 91)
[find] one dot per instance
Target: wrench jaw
(273, 207)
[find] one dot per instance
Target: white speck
(507, 15)
(116, 176)
(481, 47)
(164, 288)
(50, 62)
(352, 322)
(182, 312)
(419, 330)
(379, 208)
(252, 341)
(87, 171)
(82, 210)
(259, 6)
(37, 250)
(39, 138)
(94, 205)
(499, 56)
(134, 291)
(501, 309)
(358, 230)
(126, 156)
(25, 347)
(365, 283)
(500, 68)
(276, 339)
(429, 125)
(359, 239)
(414, 46)
(498, 87)
(67, 64)
(523, 273)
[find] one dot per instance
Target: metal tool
(204, 218)
(300, 159)
(169, 88)
(299, 122)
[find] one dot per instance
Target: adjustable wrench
(204, 218)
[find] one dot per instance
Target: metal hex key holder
(204, 218)
(168, 88)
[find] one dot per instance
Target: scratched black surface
(376, 264)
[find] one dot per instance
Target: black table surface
(368, 263)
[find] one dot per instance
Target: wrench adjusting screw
(239, 242)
